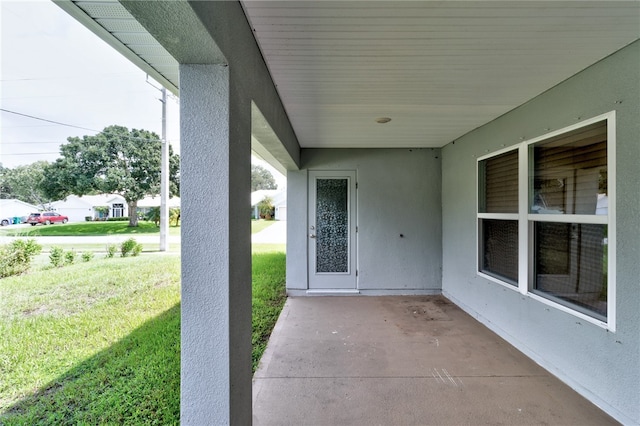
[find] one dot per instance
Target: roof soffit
(438, 69)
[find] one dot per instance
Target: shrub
(111, 250)
(266, 208)
(136, 250)
(56, 256)
(153, 215)
(87, 256)
(118, 219)
(15, 257)
(128, 246)
(174, 216)
(70, 257)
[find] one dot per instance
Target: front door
(332, 230)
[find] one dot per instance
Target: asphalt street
(274, 234)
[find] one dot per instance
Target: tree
(266, 208)
(261, 178)
(115, 161)
(25, 183)
(154, 215)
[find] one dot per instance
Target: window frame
(495, 216)
(526, 221)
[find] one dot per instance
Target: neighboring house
(280, 205)
(147, 203)
(278, 198)
(432, 141)
(12, 208)
(78, 209)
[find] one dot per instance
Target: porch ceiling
(437, 69)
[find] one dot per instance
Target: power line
(71, 77)
(3, 143)
(68, 96)
(49, 121)
(31, 153)
(76, 127)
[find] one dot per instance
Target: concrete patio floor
(415, 360)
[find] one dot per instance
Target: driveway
(273, 234)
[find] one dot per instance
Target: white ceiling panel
(437, 69)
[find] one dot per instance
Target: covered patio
(403, 360)
(484, 151)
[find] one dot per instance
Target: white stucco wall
(602, 365)
(398, 193)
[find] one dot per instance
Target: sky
(53, 68)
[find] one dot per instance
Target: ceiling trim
(83, 18)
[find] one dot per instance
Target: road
(274, 234)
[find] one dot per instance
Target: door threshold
(329, 291)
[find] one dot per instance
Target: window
(118, 210)
(569, 172)
(497, 222)
(500, 249)
(545, 224)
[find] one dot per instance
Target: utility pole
(164, 174)
(164, 179)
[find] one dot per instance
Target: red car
(46, 218)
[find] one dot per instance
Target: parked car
(46, 218)
(15, 220)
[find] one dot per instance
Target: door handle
(312, 235)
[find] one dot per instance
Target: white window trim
(500, 216)
(525, 221)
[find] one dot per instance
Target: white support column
(216, 249)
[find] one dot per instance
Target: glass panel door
(332, 230)
(332, 225)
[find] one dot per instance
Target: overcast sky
(53, 68)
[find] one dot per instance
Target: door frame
(332, 281)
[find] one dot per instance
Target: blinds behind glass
(570, 171)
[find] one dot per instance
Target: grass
(104, 228)
(115, 229)
(91, 343)
(98, 342)
(88, 229)
(268, 297)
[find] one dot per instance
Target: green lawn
(88, 229)
(268, 297)
(105, 228)
(98, 342)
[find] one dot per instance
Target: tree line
(114, 161)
